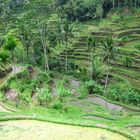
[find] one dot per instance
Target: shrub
(137, 47)
(62, 90)
(94, 88)
(44, 95)
(81, 73)
(42, 77)
(83, 91)
(58, 105)
(1, 95)
(24, 74)
(90, 87)
(125, 94)
(131, 96)
(127, 61)
(78, 10)
(26, 96)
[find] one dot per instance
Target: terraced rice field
(35, 130)
(130, 45)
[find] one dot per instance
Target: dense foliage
(43, 33)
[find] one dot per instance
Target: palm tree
(67, 33)
(10, 46)
(99, 9)
(109, 54)
(127, 61)
(44, 43)
(4, 58)
(1, 41)
(97, 68)
(92, 45)
(26, 38)
(113, 3)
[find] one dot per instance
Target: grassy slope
(74, 114)
(74, 111)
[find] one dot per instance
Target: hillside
(68, 67)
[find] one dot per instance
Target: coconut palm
(10, 46)
(26, 38)
(97, 68)
(4, 58)
(109, 54)
(1, 41)
(67, 33)
(44, 43)
(127, 61)
(92, 46)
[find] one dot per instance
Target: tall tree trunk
(66, 60)
(131, 3)
(118, 3)
(46, 65)
(135, 4)
(106, 81)
(33, 55)
(14, 65)
(113, 4)
(13, 59)
(91, 59)
(66, 57)
(61, 62)
(46, 62)
(27, 53)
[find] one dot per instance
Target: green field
(69, 70)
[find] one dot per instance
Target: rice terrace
(69, 69)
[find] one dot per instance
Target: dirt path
(16, 69)
(3, 80)
(35, 130)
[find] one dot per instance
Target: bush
(44, 95)
(124, 94)
(127, 61)
(137, 47)
(90, 87)
(42, 77)
(94, 88)
(24, 74)
(58, 105)
(78, 10)
(26, 96)
(61, 89)
(81, 73)
(83, 91)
